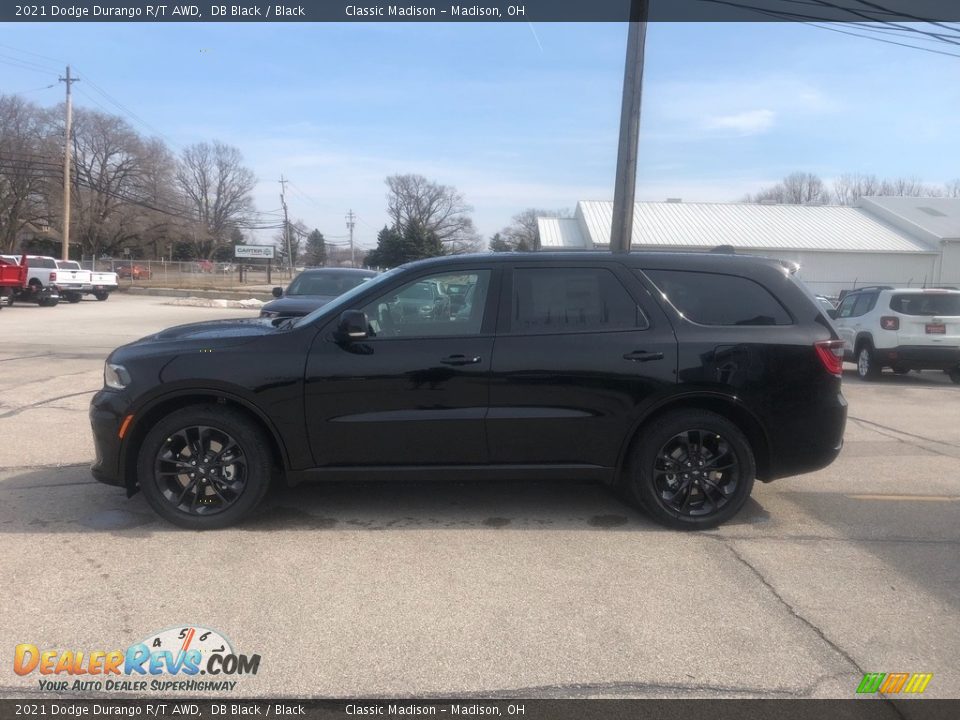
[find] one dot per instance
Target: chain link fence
(197, 274)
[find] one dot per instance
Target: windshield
(347, 297)
(330, 284)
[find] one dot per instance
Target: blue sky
(514, 115)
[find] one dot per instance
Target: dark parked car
(682, 377)
(313, 288)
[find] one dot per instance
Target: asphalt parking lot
(506, 589)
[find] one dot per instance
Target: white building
(882, 241)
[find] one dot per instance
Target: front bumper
(107, 410)
(920, 357)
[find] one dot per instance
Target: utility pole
(625, 187)
(350, 225)
(65, 252)
(286, 221)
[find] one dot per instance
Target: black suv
(681, 377)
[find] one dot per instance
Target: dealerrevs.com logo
(189, 658)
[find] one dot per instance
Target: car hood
(217, 329)
(297, 304)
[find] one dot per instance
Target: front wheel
(101, 296)
(72, 297)
(204, 467)
(867, 366)
(692, 470)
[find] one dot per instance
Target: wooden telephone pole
(65, 252)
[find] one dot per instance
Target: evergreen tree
(316, 254)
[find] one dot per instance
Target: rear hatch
(925, 317)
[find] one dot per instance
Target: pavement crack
(792, 610)
(41, 403)
(626, 687)
(878, 428)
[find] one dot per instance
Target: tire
(101, 296)
(712, 497)
(954, 375)
(243, 479)
(867, 366)
(48, 302)
(73, 297)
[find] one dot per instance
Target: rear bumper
(920, 357)
(812, 443)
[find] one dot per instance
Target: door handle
(461, 360)
(643, 356)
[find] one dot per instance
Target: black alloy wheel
(696, 473)
(201, 470)
(205, 466)
(691, 469)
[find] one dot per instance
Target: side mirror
(353, 325)
(833, 314)
(277, 292)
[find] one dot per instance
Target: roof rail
(871, 287)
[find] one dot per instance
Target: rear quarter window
(717, 299)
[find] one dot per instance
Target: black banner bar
(736, 709)
(882, 11)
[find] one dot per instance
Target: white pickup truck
(45, 281)
(96, 283)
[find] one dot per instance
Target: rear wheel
(48, 301)
(867, 366)
(692, 469)
(72, 297)
(204, 467)
(100, 295)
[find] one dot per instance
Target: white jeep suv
(904, 329)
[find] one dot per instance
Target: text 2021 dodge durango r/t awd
(682, 377)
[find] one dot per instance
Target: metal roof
(560, 233)
(749, 226)
(940, 217)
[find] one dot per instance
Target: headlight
(115, 376)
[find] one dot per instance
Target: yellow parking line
(907, 498)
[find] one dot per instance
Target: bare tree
(110, 168)
(217, 187)
(850, 187)
(430, 209)
(909, 187)
(799, 188)
(952, 188)
(28, 168)
(523, 233)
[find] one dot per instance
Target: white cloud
(749, 122)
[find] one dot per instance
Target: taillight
(830, 353)
(888, 322)
(53, 276)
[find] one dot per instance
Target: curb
(212, 294)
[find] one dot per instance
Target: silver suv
(904, 329)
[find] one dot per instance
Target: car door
(850, 318)
(579, 349)
(415, 391)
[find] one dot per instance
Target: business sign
(254, 251)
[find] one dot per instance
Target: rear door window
(562, 300)
(716, 299)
